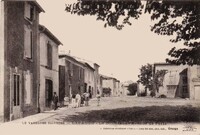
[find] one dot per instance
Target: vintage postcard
(100, 67)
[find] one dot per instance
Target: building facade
(111, 83)
(179, 81)
(124, 87)
(89, 79)
(97, 84)
(71, 76)
(48, 67)
(19, 59)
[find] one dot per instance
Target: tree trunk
(145, 91)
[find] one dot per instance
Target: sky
(120, 54)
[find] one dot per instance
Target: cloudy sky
(119, 53)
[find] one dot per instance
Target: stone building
(111, 83)
(19, 59)
(88, 78)
(71, 76)
(48, 67)
(179, 81)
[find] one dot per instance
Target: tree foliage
(132, 88)
(146, 76)
(178, 18)
(182, 20)
(158, 79)
(109, 11)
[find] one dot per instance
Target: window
(70, 69)
(29, 12)
(172, 78)
(28, 43)
(79, 71)
(16, 90)
(28, 87)
(49, 55)
(70, 90)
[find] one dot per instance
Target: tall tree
(181, 19)
(158, 78)
(146, 76)
(132, 88)
(178, 17)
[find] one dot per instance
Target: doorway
(16, 96)
(48, 92)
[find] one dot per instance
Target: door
(49, 92)
(16, 96)
(197, 92)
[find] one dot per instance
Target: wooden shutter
(27, 43)
(28, 88)
(27, 11)
(49, 56)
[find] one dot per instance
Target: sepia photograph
(100, 67)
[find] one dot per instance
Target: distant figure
(73, 100)
(82, 100)
(66, 100)
(90, 94)
(86, 97)
(55, 101)
(98, 98)
(78, 100)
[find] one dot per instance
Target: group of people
(78, 100)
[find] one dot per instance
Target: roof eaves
(43, 29)
(38, 5)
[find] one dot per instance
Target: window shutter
(28, 87)
(27, 11)
(27, 43)
(49, 55)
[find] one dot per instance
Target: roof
(34, 2)
(71, 58)
(108, 77)
(44, 30)
(85, 64)
(96, 64)
(89, 66)
(163, 64)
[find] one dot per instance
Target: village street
(121, 110)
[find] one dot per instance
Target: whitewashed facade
(48, 67)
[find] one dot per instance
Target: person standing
(66, 101)
(98, 98)
(86, 97)
(78, 100)
(82, 100)
(73, 101)
(55, 100)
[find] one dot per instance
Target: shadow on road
(137, 115)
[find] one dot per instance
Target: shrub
(143, 94)
(132, 88)
(162, 96)
(106, 92)
(152, 94)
